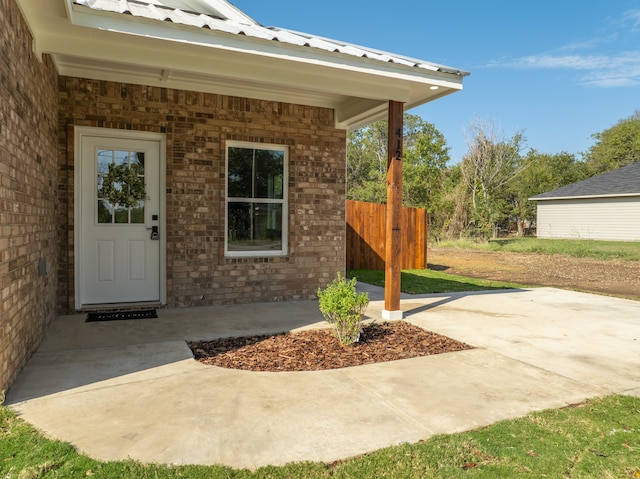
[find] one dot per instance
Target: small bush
(343, 306)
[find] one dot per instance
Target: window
(256, 205)
(114, 168)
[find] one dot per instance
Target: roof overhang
(118, 46)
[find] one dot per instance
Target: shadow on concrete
(77, 354)
(450, 297)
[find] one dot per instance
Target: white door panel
(137, 260)
(106, 266)
(118, 260)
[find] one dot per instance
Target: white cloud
(604, 71)
(620, 71)
(606, 82)
(633, 17)
(599, 69)
(547, 61)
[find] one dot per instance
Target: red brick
(28, 189)
(38, 112)
(197, 127)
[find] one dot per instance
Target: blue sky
(558, 70)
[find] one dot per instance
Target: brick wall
(28, 171)
(197, 125)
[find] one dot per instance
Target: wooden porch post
(393, 239)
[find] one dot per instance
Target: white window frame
(284, 201)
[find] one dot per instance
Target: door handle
(154, 233)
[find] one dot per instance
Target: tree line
(488, 191)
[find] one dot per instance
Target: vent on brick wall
(121, 315)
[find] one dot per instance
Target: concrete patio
(131, 389)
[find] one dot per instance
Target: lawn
(597, 439)
(426, 281)
(577, 248)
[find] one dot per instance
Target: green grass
(605, 250)
(426, 281)
(598, 439)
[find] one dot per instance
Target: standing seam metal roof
(159, 12)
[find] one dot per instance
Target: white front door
(119, 244)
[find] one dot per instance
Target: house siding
(197, 126)
(597, 219)
(28, 181)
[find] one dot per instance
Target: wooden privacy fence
(366, 226)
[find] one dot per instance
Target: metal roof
(624, 181)
(221, 16)
(211, 46)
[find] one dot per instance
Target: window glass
(107, 162)
(137, 213)
(269, 170)
(255, 227)
(105, 212)
(105, 158)
(240, 172)
(121, 215)
(256, 207)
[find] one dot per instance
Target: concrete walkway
(130, 389)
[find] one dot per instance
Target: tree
(541, 172)
(367, 163)
(489, 164)
(425, 158)
(453, 214)
(616, 147)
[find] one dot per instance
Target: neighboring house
(231, 136)
(604, 207)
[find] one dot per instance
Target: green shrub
(343, 306)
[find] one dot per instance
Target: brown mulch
(320, 349)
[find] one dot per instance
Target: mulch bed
(320, 350)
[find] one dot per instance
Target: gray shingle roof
(176, 11)
(624, 181)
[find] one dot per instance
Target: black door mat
(121, 315)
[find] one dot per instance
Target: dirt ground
(610, 277)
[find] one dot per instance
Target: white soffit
(211, 46)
